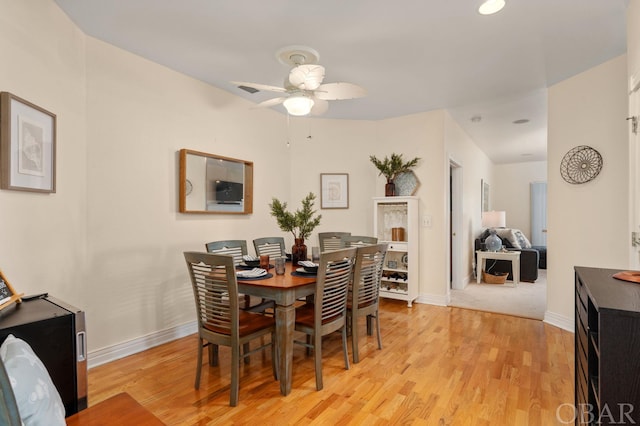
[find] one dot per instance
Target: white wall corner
(121, 350)
(560, 321)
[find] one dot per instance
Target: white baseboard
(121, 350)
(432, 299)
(560, 321)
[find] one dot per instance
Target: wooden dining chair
(357, 241)
(237, 249)
(330, 240)
(364, 292)
(328, 313)
(220, 320)
(272, 246)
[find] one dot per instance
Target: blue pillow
(38, 399)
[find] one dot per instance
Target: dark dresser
(56, 332)
(607, 348)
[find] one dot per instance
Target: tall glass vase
(298, 251)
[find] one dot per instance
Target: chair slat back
(215, 290)
(367, 275)
(357, 241)
(273, 246)
(334, 275)
(331, 240)
(236, 248)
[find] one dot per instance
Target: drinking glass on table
(264, 262)
(315, 254)
(280, 262)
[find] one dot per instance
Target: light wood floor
(438, 366)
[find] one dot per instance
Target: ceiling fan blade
(259, 86)
(307, 76)
(338, 91)
(319, 107)
(271, 102)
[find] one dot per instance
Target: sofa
(532, 258)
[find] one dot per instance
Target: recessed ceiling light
(490, 7)
(521, 121)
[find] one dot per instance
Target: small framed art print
(334, 190)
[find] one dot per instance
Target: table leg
(515, 268)
(479, 267)
(285, 323)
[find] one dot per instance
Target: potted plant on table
(300, 223)
(391, 168)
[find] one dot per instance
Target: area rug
(528, 300)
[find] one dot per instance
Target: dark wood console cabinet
(607, 348)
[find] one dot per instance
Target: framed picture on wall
(27, 146)
(484, 196)
(334, 190)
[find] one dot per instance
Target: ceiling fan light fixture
(298, 105)
(490, 7)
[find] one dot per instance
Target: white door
(539, 213)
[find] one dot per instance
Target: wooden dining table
(284, 290)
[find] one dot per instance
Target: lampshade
(298, 105)
(491, 6)
(494, 219)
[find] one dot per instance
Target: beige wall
(44, 244)
(511, 191)
(587, 224)
(633, 37)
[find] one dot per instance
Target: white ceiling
(411, 55)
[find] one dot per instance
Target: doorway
(455, 227)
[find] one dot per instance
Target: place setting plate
(253, 274)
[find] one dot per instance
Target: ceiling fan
(303, 91)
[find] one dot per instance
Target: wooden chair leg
(317, 355)
(213, 355)
(235, 375)
(199, 366)
(246, 349)
(274, 355)
(354, 339)
(378, 329)
(369, 325)
(344, 347)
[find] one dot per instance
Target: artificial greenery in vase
(300, 223)
(391, 168)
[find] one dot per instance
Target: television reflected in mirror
(214, 184)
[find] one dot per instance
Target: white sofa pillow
(522, 239)
(508, 234)
(38, 400)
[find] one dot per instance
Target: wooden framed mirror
(214, 184)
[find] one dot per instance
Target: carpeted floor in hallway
(528, 300)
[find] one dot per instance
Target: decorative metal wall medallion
(581, 164)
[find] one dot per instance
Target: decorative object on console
(492, 220)
(8, 294)
(406, 183)
(581, 165)
(300, 224)
(391, 168)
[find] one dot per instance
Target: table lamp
(493, 220)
